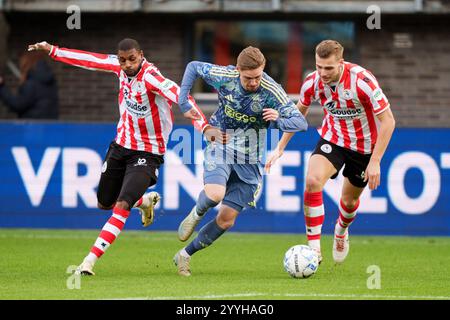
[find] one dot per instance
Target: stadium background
(409, 55)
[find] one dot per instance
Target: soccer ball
(300, 261)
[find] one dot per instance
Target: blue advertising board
(50, 173)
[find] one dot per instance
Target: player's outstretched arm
(190, 75)
(278, 151)
(79, 58)
(302, 108)
(387, 126)
(168, 89)
(185, 101)
(40, 46)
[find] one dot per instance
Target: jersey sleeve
(86, 60)
(307, 90)
(211, 74)
(290, 119)
(370, 93)
(168, 89)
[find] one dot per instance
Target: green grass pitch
(139, 265)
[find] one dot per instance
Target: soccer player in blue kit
(249, 100)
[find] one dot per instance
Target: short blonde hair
(328, 48)
(250, 58)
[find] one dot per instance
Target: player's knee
(215, 195)
(349, 202)
(225, 222)
(104, 207)
(313, 184)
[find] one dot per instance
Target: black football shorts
(126, 175)
(354, 163)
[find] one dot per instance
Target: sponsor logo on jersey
(342, 112)
(377, 94)
(238, 116)
(166, 85)
(136, 107)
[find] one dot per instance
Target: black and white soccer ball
(301, 261)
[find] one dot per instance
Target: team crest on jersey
(347, 94)
(256, 105)
(139, 87)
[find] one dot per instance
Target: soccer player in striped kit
(249, 101)
(133, 158)
(352, 100)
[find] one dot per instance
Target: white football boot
(147, 213)
(182, 263)
(319, 255)
(341, 246)
(187, 226)
(85, 268)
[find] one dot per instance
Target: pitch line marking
(278, 295)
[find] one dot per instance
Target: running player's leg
(137, 179)
(239, 195)
(348, 205)
(148, 201)
(215, 178)
(324, 164)
(111, 179)
(145, 165)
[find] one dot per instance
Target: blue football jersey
(240, 112)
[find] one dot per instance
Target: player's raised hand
(192, 114)
(270, 114)
(274, 156)
(372, 174)
(43, 46)
(214, 134)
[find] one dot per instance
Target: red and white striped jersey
(145, 102)
(350, 110)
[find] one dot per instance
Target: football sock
(346, 217)
(204, 203)
(206, 236)
(108, 234)
(314, 217)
